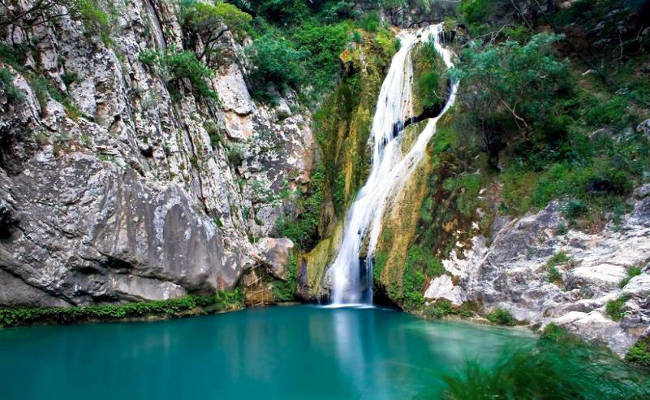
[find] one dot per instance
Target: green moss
(221, 301)
(639, 353)
(500, 316)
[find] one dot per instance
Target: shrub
(500, 316)
(548, 371)
(574, 209)
(287, 290)
(204, 20)
(640, 353)
(323, 44)
(631, 273)
(512, 86)
(614, 308)
(221, 301)
(370, 22)
(302, 228)
(275, 64)
(7, 84)
(174, 66)
(443, 308)
(236, 154)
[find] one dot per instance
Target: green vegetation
(553, 274)
(419, 269)
(221, 301)
(549, 370)
(614, 308)
(430, 81)
(514, 88)
(640, 353)
(303, 228)
(13, 94)
(500, 316)
(174, 65)
(631, 273)
(93, 14)
(204, 21)
(444, 308)
(276, 65)
(287, 290)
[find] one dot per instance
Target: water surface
(288, 353)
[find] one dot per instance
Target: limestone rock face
(511, 273)
(275, 254)
(122, 191)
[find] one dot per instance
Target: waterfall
(390, 169)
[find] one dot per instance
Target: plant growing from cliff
(90, 12)
(631, 273)
(500, 316)
(175, 66)
(221, 301)
(209, 21)
(302, 227)
(615, 308)
(13, 94)
(639, 354)
(443, 308)
(286, 290)
(553, 274)
(236, 154)
(275, 65)
(513, 86)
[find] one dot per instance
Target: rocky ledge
(596, 285)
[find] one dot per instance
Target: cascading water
(390, 169)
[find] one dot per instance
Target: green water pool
(301, 352)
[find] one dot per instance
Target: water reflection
(278, 353)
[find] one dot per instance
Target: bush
(236, 154)
(548, 371)
(443, 308)
(631, 273)
(204, 21)
(500, 316)
(276, 64)
(614, 308)
(13, 94)
(640, 353)
(221, 301)
(302, 228)
(287, 290)
(323, 43)
(174, 66)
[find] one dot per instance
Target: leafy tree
(174, 66)
(513, 84)
(209, 21)
(275, 64)
(90, 12)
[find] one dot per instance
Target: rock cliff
(114, 187)
(513, 270)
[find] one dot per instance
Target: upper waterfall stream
(390, 168)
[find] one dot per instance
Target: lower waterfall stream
(390, 169)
